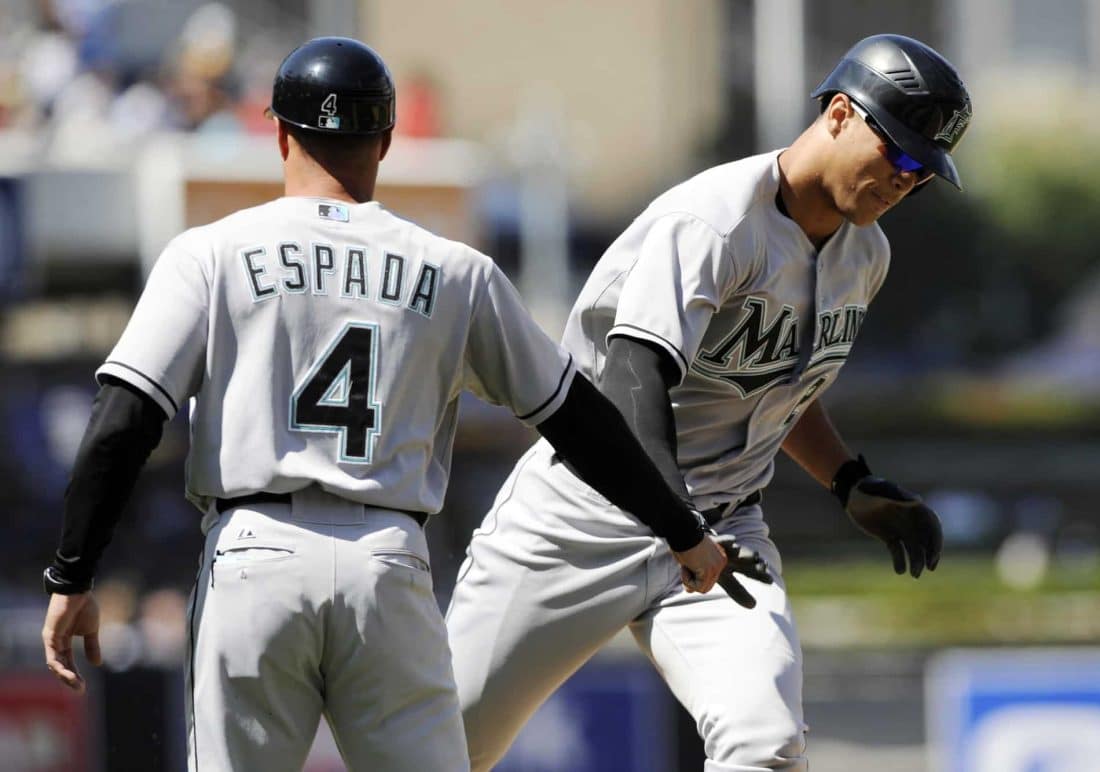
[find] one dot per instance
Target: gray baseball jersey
(758, 321)
(329, 342)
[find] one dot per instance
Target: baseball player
(714, 322)
(323, 343)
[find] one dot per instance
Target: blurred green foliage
(965, 601)
(1041, 191)
(981, 274)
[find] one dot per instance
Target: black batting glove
(898, 518)
(742, 560)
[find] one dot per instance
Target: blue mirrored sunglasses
(900, 160)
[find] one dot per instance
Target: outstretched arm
(880, 508)
(816, 445)
(124, 428)
(601, 445)
(593, 438)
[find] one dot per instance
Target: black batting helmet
(912, 92)
(334, 85)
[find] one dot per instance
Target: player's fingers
(705, 581)
(736, 590)
(897, 552)
(92, 650)
(63, 667)
(688, 578)
(934, 544)
(916, 558)
(933, 559)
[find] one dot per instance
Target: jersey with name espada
(757, 319)
(328, 342)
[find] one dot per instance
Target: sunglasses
(897, 157)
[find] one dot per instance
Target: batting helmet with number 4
(334, 85)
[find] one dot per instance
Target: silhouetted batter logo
(329, 120)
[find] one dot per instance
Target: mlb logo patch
(333, 212)
(328, 118)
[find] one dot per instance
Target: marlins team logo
(763, 350)
(955, 126)
(329, 119)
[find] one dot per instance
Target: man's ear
(837, 112)
(387, 138)
(283, 138)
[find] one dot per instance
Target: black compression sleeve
(590, 434)
(124, 428)
(637, 376)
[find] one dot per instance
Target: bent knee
(750, 743)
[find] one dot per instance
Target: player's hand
(900, 519)
(741, 560)
(68, 616)
(701, 565)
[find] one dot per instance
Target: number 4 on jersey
(337, 395)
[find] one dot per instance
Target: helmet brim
(931, 155)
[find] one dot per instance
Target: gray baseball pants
(319, 607)
(555, 571)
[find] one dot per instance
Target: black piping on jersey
(751, 383)
(685, 366)
(840, 357)
(193, 730)
(722, 237)
(557, 391)
(156, 385)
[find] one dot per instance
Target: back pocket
(251, 554)
(402, 558)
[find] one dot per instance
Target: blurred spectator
(163, 626)
(119, 640)
(49, 60)
(91, 76)
(202, 85)
(418, 109)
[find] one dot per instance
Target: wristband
(56, 584)
(850, 472)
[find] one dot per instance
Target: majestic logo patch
(329, 119)
(246, 533)
(763, 351)
(955, 126)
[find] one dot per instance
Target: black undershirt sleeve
(124, 428)
(637, 377)
(596, 440)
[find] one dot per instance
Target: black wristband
(850, 472)
(683, 540)
(55, 583)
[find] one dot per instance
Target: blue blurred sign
(612, 715)
(12, 245)
(1014, 710)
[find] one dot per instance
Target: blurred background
(537, 131)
